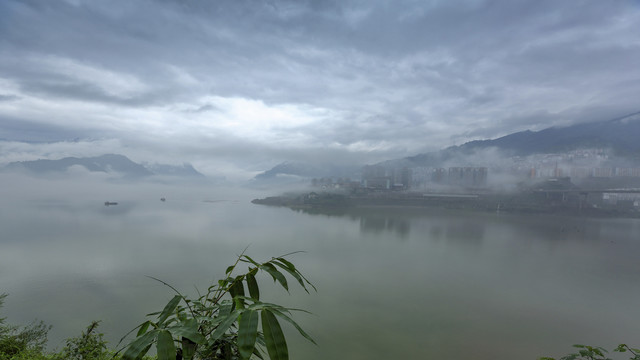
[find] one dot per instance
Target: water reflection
(379, 224)
(390, 280)
(436, 224)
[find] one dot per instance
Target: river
(393, 283)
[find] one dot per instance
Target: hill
(620, 135)
(109, 163)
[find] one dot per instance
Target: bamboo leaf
(247, 333)
(225, 309)
(165, 346)
(287, 263)
(295, 324)
(250, 260)
(226, 351)
(142, 354)
(189, 330)
(277, 275)
(293, 268)
(224, 326)
(143, 328)
(258, 354)
(168, 309)
(237, 290)
(292, 273)
(188, 349)
(273, 337)
(252, 284)
(140, 345)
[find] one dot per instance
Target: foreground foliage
(16, 340)
(229, 321)
(586, 352)
(28, 343)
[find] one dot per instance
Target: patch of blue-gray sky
(239, 85)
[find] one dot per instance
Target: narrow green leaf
(293, 268)
(139, 346)
(251, 260)
(168, 309)
(292, 273)
(229, 269)
(237, 289)
(143, 353)
(247, 333)
(225, 309)
(257, 353)
(188, 349)
(286, 262)
(273, 337)
(277, 275)
(252, 284)
(226, 351)
(165, 346)
(224, 326)
(295, 324)
(143, 328)
(189, 330)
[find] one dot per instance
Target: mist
(134, 136)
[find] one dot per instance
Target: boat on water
(110, 203)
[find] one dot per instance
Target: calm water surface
(392, 283)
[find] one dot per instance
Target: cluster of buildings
(578, 172)
(379, 177)
(576, 164)
(590, 167)
(333, 183)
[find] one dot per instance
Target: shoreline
(485, 203)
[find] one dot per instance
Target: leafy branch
(586, 352)
(226, 322)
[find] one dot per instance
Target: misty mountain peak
(107, 163)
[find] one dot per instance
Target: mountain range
(620, 137)
(109, 163)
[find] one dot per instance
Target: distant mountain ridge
(622, 135)
(287, 171)
(108, 163)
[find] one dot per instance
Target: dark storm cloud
(362, 77)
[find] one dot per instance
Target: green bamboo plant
(222, 323)
(586, 352)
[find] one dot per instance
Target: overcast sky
(235, 87)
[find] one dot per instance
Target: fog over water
(392, 282)
(231, 90)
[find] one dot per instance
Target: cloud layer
(237, 86)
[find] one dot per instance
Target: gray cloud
(366, 79)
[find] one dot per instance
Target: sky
(235, 87)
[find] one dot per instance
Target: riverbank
(515, 203)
